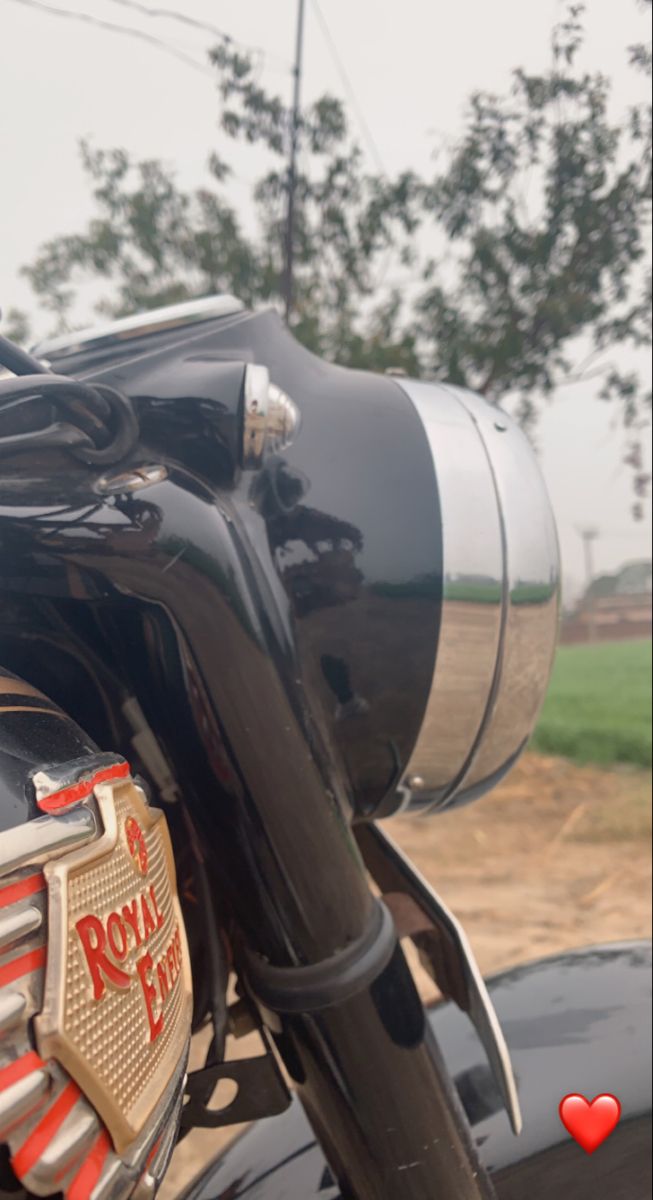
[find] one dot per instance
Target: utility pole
(589, 536)
(292, 164)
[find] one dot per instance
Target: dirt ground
(557, 857)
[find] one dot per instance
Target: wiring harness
(38, 408)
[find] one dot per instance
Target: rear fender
(579, 1022)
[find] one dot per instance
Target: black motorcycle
(251, 606)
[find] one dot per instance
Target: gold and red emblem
(95, 989)
(117, 998)
(136, 844)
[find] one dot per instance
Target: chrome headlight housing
(500, 599)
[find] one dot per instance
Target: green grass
(598, 708)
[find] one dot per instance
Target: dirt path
(557, 857)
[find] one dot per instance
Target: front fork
(323, 961)
(354, 1037)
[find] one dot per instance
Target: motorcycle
(252, 605)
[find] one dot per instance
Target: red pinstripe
(24, 887)
(19, 1068)
(91, 1169)
(31, 1150)
(78, 791)
(23, 965)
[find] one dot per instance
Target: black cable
(18, 361)
(56, 388)
(122, 425)
(146, 11)
(101, 426)
(159, 43)
(183, 18)
(112, 27)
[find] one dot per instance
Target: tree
(153, 243)
(542, 210)
(347, 222)
(531, 278)
(156, 244)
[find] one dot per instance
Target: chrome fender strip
(422, 915)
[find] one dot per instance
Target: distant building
(614, 607)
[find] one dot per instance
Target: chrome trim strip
(472, 605)
(12, 1007)
(155, 320)
(17, 924)
(19, 1099)
(71, 1140)
(44, 838)
(500, 598)
(532, 570)
(461, 963)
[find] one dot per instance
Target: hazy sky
(412, 65)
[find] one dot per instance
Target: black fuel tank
(34, 732)
(345, 518)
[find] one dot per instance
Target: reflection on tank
(336, 673)
(315, 553)
(483, 589)
(254, 439)
(317, 560)
(270, 423)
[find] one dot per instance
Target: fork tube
(374, 1085)
(322, 956)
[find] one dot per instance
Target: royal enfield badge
(117, 1000)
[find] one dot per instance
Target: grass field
(598, 709)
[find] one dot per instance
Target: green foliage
(601, 586)
(632, 579)
(542, 206)
(598, 708)
(15, 325)
(345, 220)
(153, 243)
(533, 276)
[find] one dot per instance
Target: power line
(87, 19)
(173, 15)
(292, 164)
(346, 83)
(183, 18)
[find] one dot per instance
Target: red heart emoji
(590, 1124)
